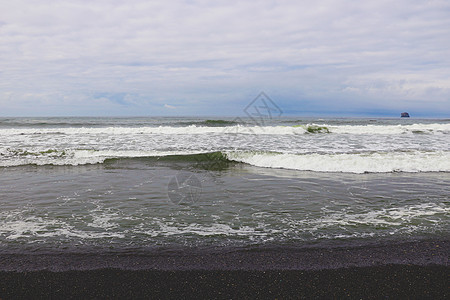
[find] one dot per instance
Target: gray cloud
(57, 57)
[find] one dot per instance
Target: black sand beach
(413, 270)
(392, 282)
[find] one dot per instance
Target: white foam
(390, 129)
(60, 146)
(213, 229)
(15, 226)
(373, 162)
(237, 129)
(411, 161)
(397, 216)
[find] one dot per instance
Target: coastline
(248, 258)
(415, 269)
(304, 209)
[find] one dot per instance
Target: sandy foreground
(415, 270)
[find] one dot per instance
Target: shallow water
(115, 184)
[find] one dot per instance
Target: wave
(77, 157)
(163, 130)
(375, 162)
(109, 122)
(210, 123)
(365, 162)
(218, 127)
(392, 129)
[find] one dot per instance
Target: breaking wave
(364, 162)
(228, 127)
(375, 162)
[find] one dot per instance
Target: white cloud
(201, 55)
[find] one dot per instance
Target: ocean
(155, 184)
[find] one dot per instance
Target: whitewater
(319, 145)
(113, 184)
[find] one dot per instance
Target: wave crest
(229, 127)
(365, 162)
(374, 162)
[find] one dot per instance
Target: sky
(148, 58)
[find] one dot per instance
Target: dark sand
(394, 282)
(414, 270)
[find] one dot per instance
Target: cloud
(169, 106)
(214, 57)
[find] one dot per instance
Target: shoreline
(256, 258)
(414, 269)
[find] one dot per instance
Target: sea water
(131, 184)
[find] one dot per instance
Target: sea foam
(411, 161)
(238, 129)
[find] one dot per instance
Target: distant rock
(404, 115)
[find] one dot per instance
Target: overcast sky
(145, 57)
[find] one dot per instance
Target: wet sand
(417, 270)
